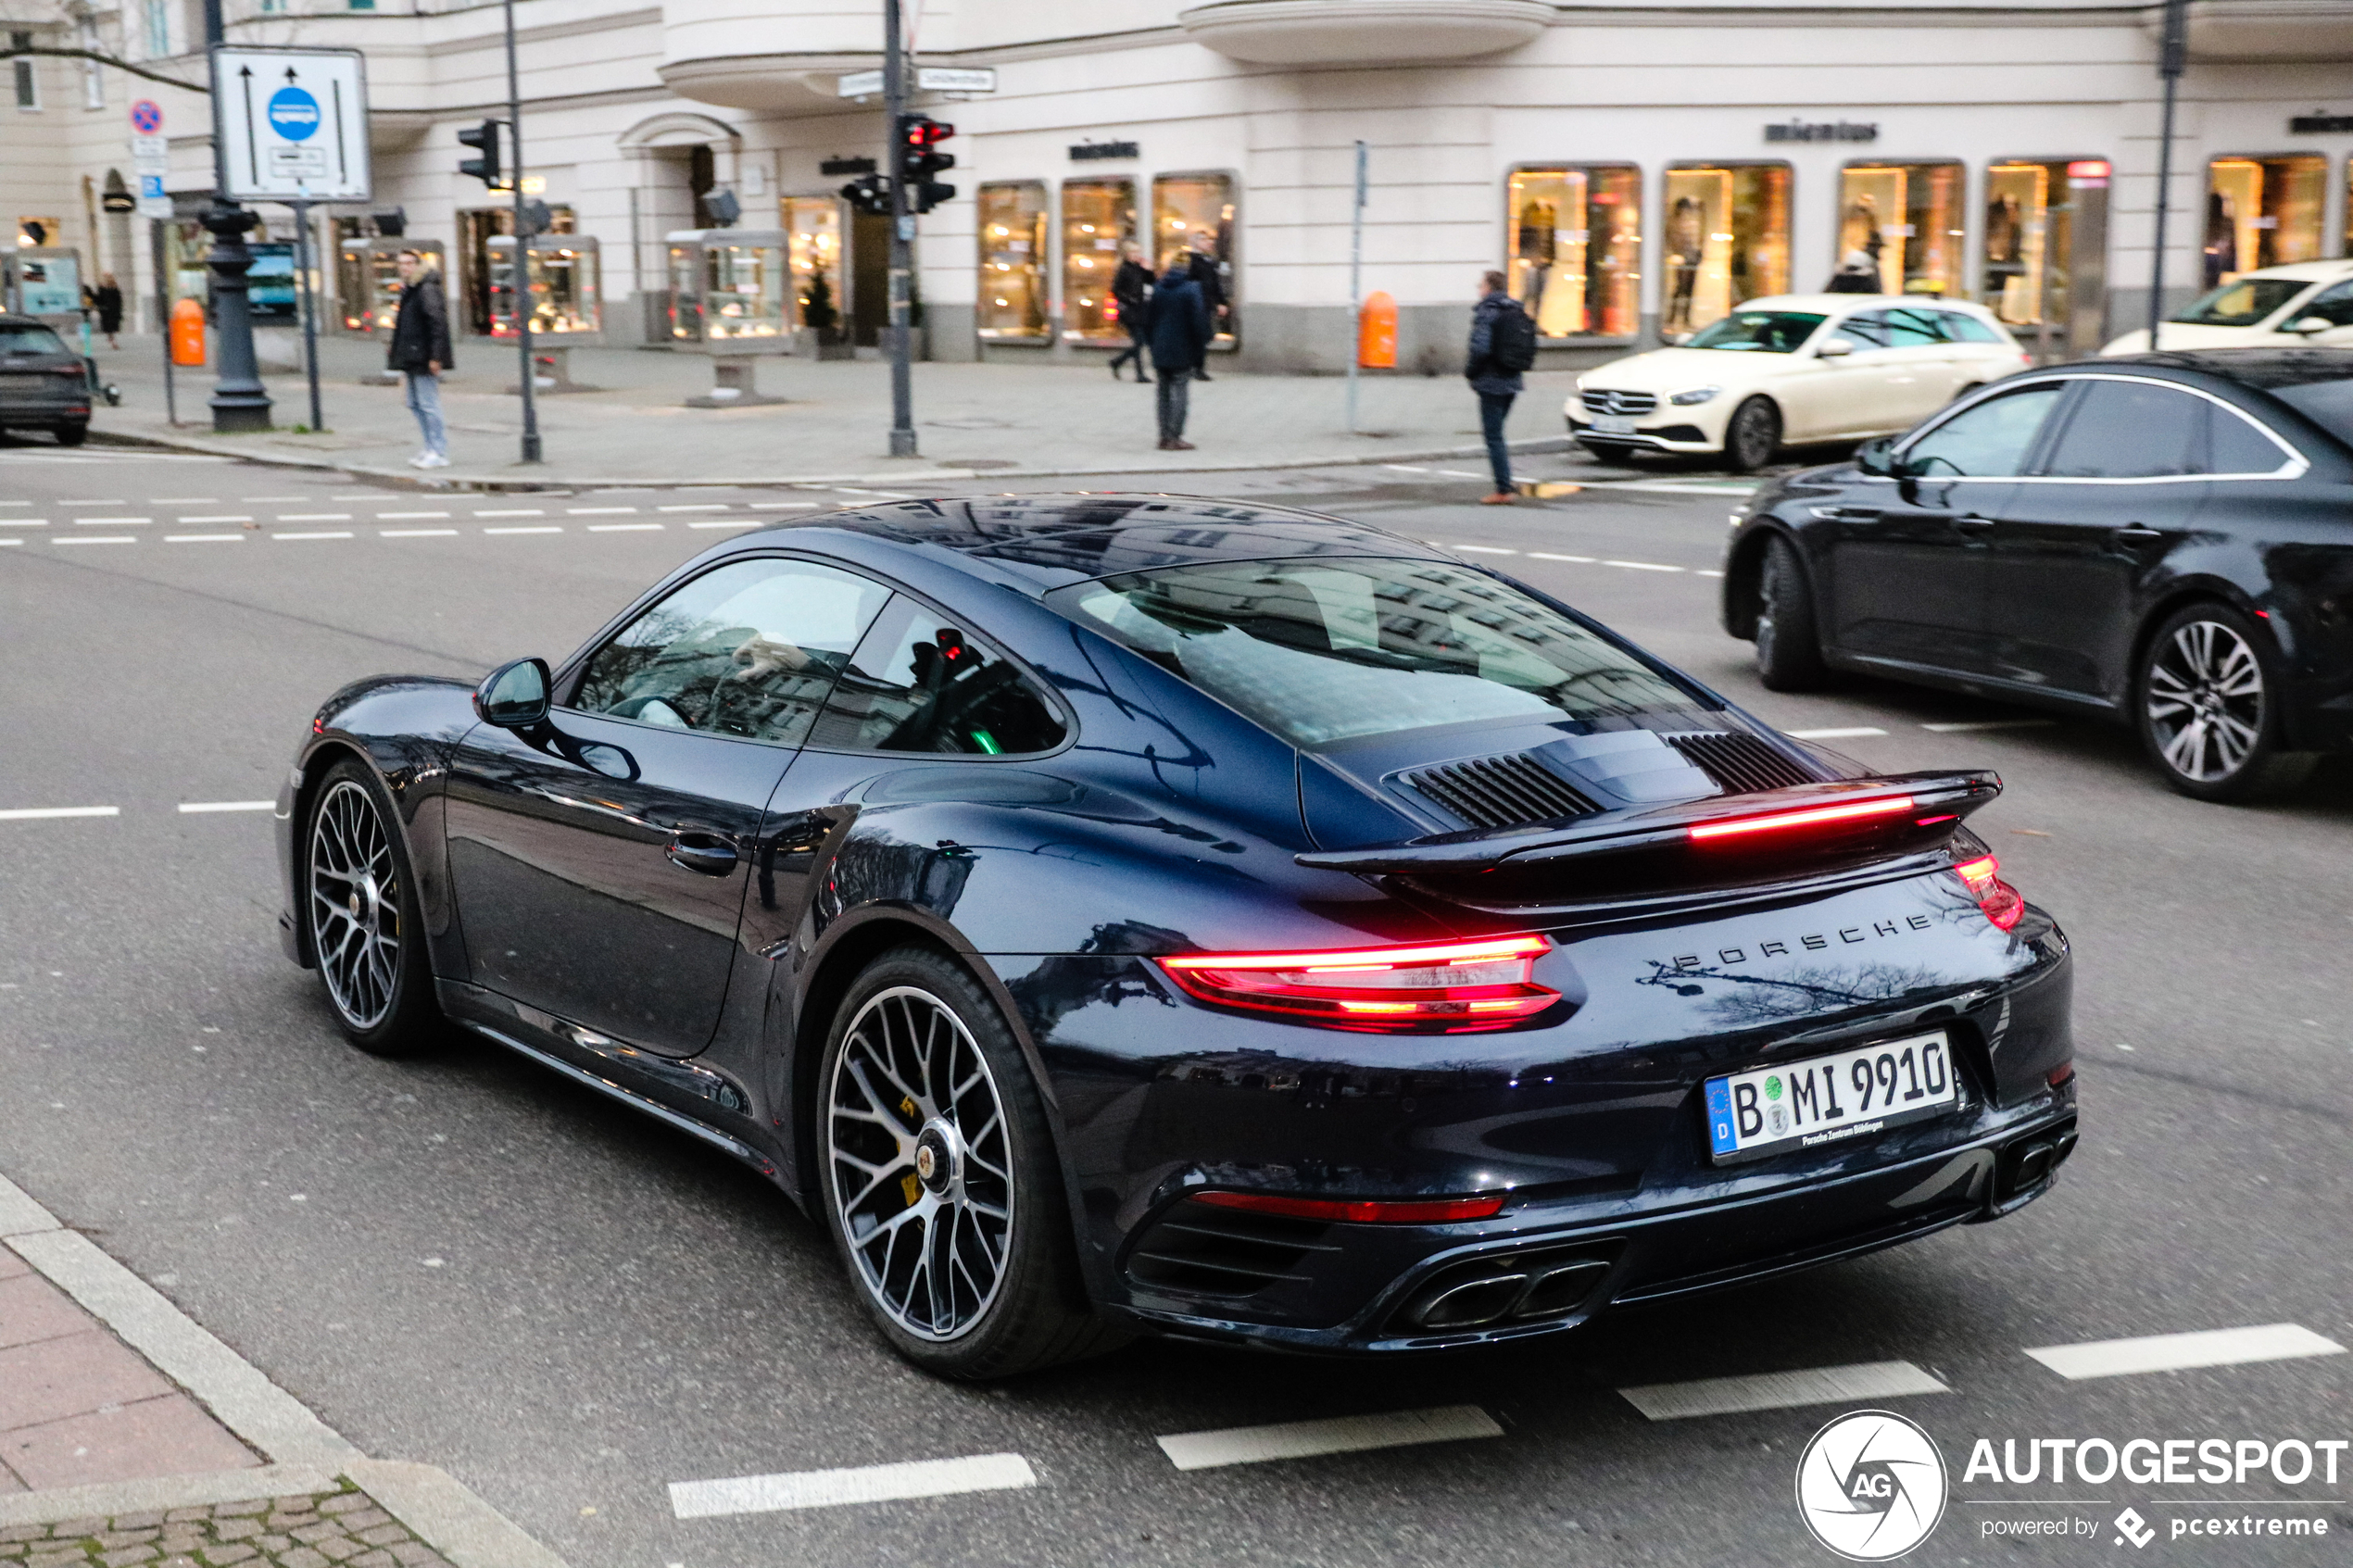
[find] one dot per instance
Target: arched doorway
(676, 160)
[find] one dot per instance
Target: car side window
(1913, 329)
(919, 685)
(2235, 444)
(748, 650)
(2131, 430)
(1960, 327)
(2333, 304)
(1988, 440)
(1865, 329)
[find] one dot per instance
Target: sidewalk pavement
(971, 420)
(130, 1436)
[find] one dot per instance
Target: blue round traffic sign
(293, 113)
(146, 117)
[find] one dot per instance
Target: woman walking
(109, 302)
(1131, 289)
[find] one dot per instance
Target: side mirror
(1877, 457)
(514, 696)
(2310, 325)
(1834, 348)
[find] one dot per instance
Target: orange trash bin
(187, 333)
(1377, 331)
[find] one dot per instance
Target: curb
(894, 478)
(304, 1453)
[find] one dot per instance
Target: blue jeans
(424, 401)
(1492, 406)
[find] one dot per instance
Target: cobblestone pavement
(298, 1532)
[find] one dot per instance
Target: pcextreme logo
(1871, 1486)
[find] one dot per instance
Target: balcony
(1346, 32)
(765, 53)
(2250, 31)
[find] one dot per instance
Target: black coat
(109, 302)
(1486, 376)
(1131, 285)
(420, 332)
(1180, 329)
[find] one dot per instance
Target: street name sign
(291, 124)
(928, 78)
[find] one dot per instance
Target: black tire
(357, 887)
(72, 435)
(1033, 1312)
(2206, 700)
(1751, 435)
(1788, 639)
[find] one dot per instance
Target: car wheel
(1789, 644)
(1604, 452)
(360, 906)
(2208, 707)
(1753, 435)
(941, 1183)
(72, 435)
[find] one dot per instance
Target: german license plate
(1610, 424)
(1828, 1099)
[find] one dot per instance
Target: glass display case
(563, 283)
(1574, 237)
(1907, 218)
(731, 286)
(2262, 212)
(1099, 224)
(1195, 212)
(812, 231)
(45, 280)
(1012, 262)
(367, 281)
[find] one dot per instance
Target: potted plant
(822, 318)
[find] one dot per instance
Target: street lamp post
(518, 276)
(239, 400)
(2172, 55)
(903, 237)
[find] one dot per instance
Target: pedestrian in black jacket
(1205, 273)
(109, 299)
(1181, 335)
(1131, 289)
(1493, 367)
(420, 351)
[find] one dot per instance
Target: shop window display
(1907, 218)
(2044, 243)
(1574, 239)
(1099, 223)
(2262, 212)
(813, 225)
(560, 280)
(1726, 242)
(1012, 261)
(1195, 213)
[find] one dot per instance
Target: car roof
(2304, 271)
(2262, 368)
(9, 318)
(1831, 304)
(1050, 541)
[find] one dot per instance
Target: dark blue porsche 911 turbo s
(1128, 912)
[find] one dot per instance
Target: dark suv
(43, 385)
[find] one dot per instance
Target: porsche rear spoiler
(1848, 820)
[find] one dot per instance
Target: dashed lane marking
(787, 506)
(737, 525)
(314, 516)
(383, 517)
(421, 532)
(1642, 566)
(183, 500)
(112, 521)
(1780, 1390)
(328, 533)
(1855, 732)
(1404, 468)
(702, 507)
(198, 808)
(871, 1482)
(542, 528)
(1348, 1434)
(623, 527)
(5, 542)
(100, 539)
(269, 500)
(1580, 560)
(204, 538)
(224, 517)
(1485, 550)
(1459, 473)
(41, 813)
(599, 511)
(361, 496)
(106, 501)
(1981, 725)
(2176, 1352)
(516, 511)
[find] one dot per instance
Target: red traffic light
(919, 132)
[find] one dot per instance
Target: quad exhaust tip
(1513, 1288)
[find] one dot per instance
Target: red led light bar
(1473, 984)
(1406, 1212)
(1809, 816)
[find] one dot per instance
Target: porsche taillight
(2002, 903)
(1470, 984)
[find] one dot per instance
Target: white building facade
(1636, 168)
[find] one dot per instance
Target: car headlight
(1693, 394)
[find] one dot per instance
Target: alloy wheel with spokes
(2207, 716)
(922, 1164)
(355, 894)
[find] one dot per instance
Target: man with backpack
(1502, 344)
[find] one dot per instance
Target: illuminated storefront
(1574, 243)
(1099, 224)
(1907, 218)
(1195, 213)
(2043, 245)
(1012, 261)
(1725, 241)
(2262, 212)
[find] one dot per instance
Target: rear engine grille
(1743, 764)
(1207, 1251)
(1494, 792)
(1620, 402)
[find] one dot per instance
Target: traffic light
(870, 194)
(920, 159)
(485, 169)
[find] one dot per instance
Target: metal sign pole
(2172, 52)
(902, 236)
(1356, 286)
(520, 278)
(163, 321)
(309, 309)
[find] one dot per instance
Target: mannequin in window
(1539, 239)
(1686, 231)
(2222, 239)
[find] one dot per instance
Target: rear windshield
(28, 340)
(1324, 649)
(2243, 302)
(2328, 404)
(1760, 332)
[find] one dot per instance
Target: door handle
(1972, 524)
(1847, 514)
(704, 852)
(2133, 533)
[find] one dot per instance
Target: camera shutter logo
(1871, 1486)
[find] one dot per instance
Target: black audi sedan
(2164, 540)
(43, 385)
(1118, 913)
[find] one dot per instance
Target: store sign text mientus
(1826, 131)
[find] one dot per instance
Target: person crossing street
(1131, 289)
(1180, 331)
(1502, 344)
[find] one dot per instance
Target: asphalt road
(467, 1262)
